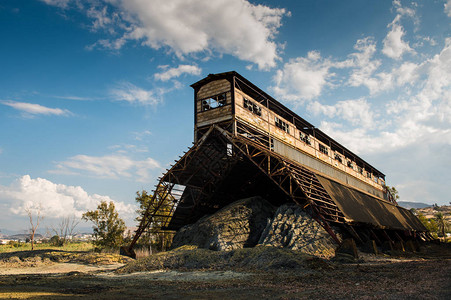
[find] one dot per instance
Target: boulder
(235, 226)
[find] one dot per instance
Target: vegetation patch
(49, 256)
(257, 258)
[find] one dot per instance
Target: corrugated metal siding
(323, 168)
(362, 208)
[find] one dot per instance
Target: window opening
(214, 102)
(271, 145)
(282, 125)
(305, 138)
(229, 150)
(350, 165)
(252, 107)
(338, 158)
(323, 149)
(360, 169)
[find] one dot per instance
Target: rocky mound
(235, 226)
(294, 229)
(248, 222)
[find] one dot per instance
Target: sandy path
(58, 268)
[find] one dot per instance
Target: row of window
(324, 149)
(214, 102)
(221, 100)
(282, 125)
(252, 107)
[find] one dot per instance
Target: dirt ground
(424, 275)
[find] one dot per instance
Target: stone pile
(235, 226)
(294, 229)
(254, 221)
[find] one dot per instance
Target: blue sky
(95, 100)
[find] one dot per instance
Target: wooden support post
(373, 234)
(354, 233)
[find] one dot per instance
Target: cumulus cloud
(31, 109)
(394, 45)
(112, 166)
(364, 64)
(170, 73)
(234, 27)
(58, 3)
(126, 91)
(302, 78)
(422, 117)
(55, 200)
(447, 7)
(364, 69)
(356, 112)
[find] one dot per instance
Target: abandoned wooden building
(246, 143)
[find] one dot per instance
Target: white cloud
(56, 200)
(302, 78)
(31, 109)
(234, 27)
(394, 45)
(356, 112)
(126, 91)
(58, 3)
(364, 64)
(170, 73)
(424, 116)
(112, 166)
(447, 8)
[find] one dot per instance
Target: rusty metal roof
(359, 207)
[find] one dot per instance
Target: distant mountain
(24, 236)
(409, 205)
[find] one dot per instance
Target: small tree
(34, 222)
(108, 227)
(441, 223)
(66, 228)
(154, 235)
(393, 191)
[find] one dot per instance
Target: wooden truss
(188, 186)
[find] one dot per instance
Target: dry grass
(82, 246)
(257, 258)
(49, 256)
